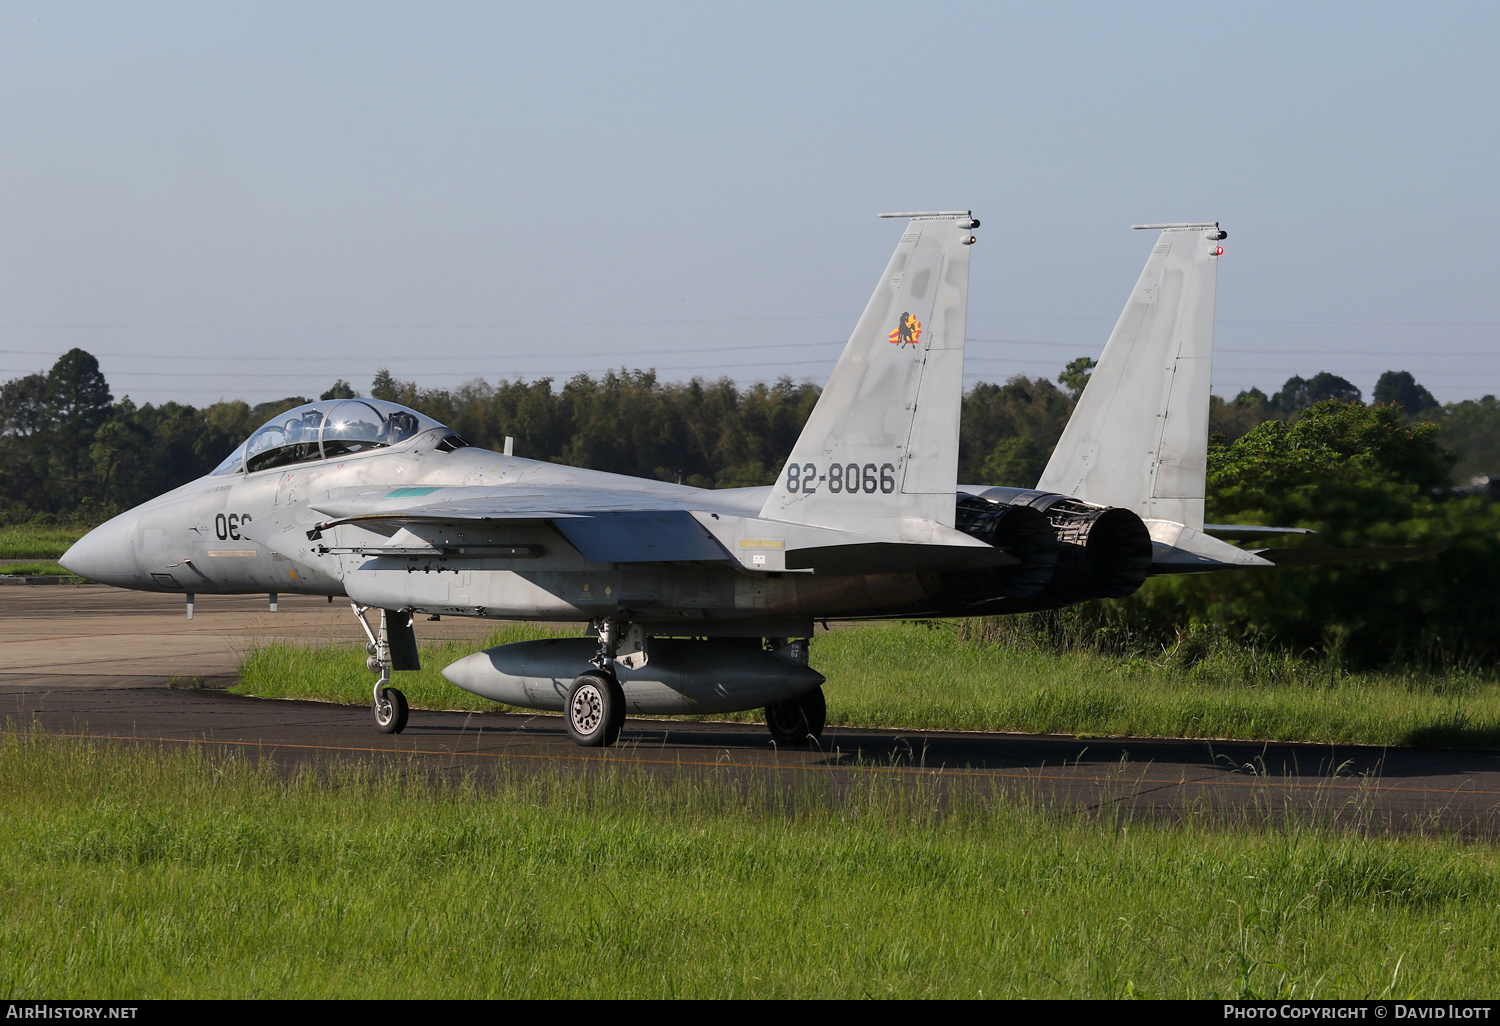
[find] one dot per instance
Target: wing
(608, 525)
(605, 526)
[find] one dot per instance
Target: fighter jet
(701, 600)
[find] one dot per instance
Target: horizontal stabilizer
(1321, 556)
(1177, 549)
(1181, 550)
(1252, 530)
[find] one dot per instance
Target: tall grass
(941, 675)
(132, 872)
(338, 673)
(948, 675)
(48, 569)
(30, 541)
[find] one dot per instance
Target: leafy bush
(1361, 478)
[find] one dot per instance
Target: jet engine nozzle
(1106, 550)
(1096, 551)
(1019, 530)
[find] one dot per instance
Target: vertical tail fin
(879, 455)
(1139, 436)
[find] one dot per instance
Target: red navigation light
(1218, 251)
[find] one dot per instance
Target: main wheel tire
(798, 720)
(815, 708)
(594, 711)
(390, 711)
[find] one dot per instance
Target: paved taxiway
(97, 661)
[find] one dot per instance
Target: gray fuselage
(249, 532)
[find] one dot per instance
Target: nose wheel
(390, 711)
(388, 706)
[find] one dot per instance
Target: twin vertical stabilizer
(879, 455)
(1139, 435)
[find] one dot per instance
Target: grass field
(132, 873)
(916, 675)
(34, 569)
(27, 541)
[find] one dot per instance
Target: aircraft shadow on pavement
(843, 747)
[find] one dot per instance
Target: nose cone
(105, 555)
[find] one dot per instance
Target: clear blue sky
(250, 200)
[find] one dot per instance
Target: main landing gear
(594, 707)
(800, 720)
(388, 706)
(594, 710)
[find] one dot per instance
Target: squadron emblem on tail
(907, 332)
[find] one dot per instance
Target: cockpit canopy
(325, 430)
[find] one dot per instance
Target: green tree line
(1311, 454)
(66, 444)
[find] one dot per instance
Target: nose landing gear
(390, 709)
(395, 647)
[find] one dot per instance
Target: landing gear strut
(388, 706)
(594, 710)
(800, 720)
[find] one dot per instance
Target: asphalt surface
(86, 661)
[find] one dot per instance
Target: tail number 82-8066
(842, 478)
